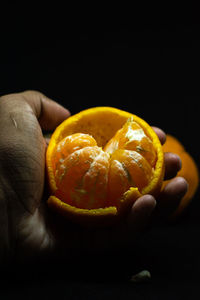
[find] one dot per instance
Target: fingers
(172, 161)
(172, 165)
(160, 133)
(48, 112)
(141, 212)
(174, 191)
(176, 188)
(171, 196)
(146, 208)
(125, 233)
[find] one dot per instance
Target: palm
(24, 176)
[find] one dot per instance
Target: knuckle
(33, 94)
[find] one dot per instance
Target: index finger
(160, 133)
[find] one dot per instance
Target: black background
(147, 68)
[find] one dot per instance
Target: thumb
(48, 112)
(22, 146)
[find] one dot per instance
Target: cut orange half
(99, 162)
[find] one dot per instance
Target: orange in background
(189, 171)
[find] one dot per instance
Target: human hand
(28, 228)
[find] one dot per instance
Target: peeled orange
(99, 162)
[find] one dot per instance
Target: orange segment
(81, 178)
(127, 169)
(132, 137)
(118, 182)
(70, 144)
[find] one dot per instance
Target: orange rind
(99, 162)
(189, 171)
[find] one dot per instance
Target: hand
(27, 227)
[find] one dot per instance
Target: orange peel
(103, 124)
(189, 171)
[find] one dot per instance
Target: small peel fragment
(142, 276)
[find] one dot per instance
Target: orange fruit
(189, 171)
(99, 162)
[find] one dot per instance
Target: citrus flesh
(90, 177)
(98, 166)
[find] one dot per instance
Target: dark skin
(27, 227)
